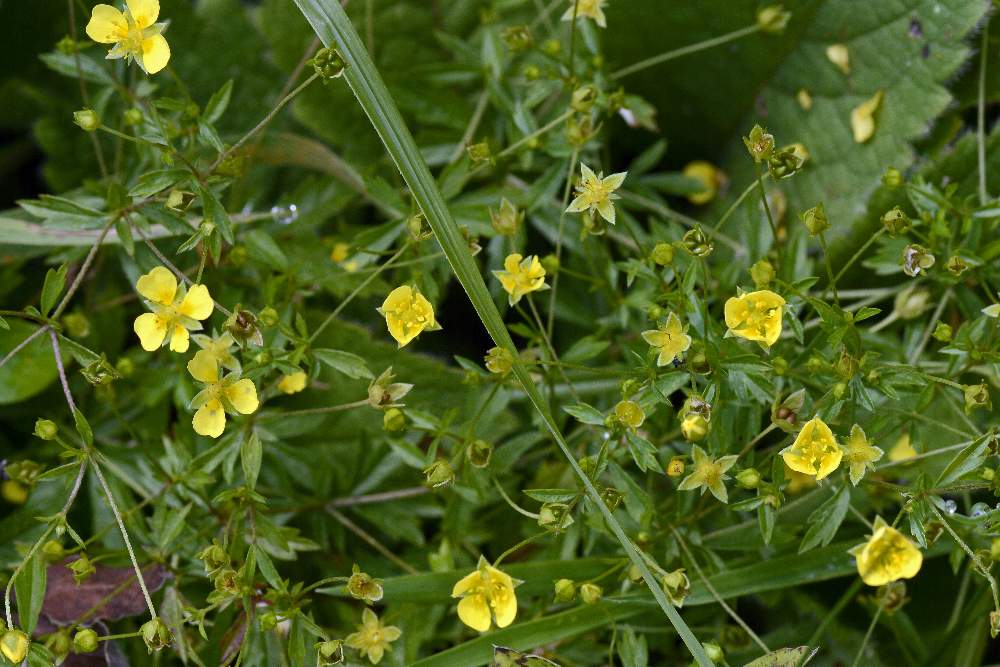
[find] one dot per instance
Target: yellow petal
(504, 606)
(863, 118)
(155, 53)
(197, 304)
(475, 612)
(107, 25)
(243, 395)
(159, 286)
(203, 367)
(293, 383)
(840, 57)
(210, 419)
(144, 12)
(179, 339)
(466, 584)
(151, 330)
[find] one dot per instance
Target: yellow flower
(863, 118)
(340, 252)
(708, 473)
(710, 177)
(175, 310)
(694, 427)
(591, 9)
(229, 394)
(595, 192)
(902, 450)
(840, 57)
(860, 454)
(14, 645)
(219, 347)
(293, 383)
(670, 340)
(815, 450)
(887, 556)
(487, 593)
(135, 33)
(521, 275)
(407, 312)
(755, 316)
(630, 414)
(372, 638)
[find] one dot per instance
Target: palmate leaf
(908, 48)
(333, 26)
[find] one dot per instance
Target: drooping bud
(895, 221)
(499, 360)
(82, 569)
(394, 420)
(583, 98)
(677, 586)
(555, 517)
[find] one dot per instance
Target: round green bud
(87, 120)
(267, 621)
(565, 589)
(132, 116)
(663, 254)
(46, 429)
(156, 634)
(591, 593)
(268, 317)
(748, 478)
(762, 272)
(14, 645)
(85, 641)
(393, 420)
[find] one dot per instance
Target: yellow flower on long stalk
(670, 340)
(708, 473)
(228, 394)
(590, 9)
(815, 450)
(755, 316)
(175, 310)
(596, 192)
(407, 313)
(887, 556)
(373, 637)
(487, 595)
(135, 33)
(521, 275)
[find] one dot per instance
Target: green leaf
(333, 27)
(266, 567)
(585, 349)
(347, 363)
(216, 214)
(643, 452)
(218, 103)
(31, 370)
(551, 495)
(83, 427)
(587, 414)
(55, 281)
(154, 182)
(825, 520)
(30, 588)
(251, 453)
(262, 248)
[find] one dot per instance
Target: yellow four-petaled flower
(135, 33)
(220, 395)
(487, 595)
(175, 310)
(755, 316)
(407, 313)
(887, 556)
(815, 450)
(521, 275)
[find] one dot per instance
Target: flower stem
(685, 50)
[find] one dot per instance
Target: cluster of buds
(781, 162)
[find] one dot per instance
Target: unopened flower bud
(46, 429)
(499, 360)
(394, 420)
(663, 254)
(892, 178)
(912, 303)
(762, 272)
(53, 550)
(328, 64)
(268, 317)
(815, 220)
(748, 478)
(591, 593)
(14, 645)
(677, 586)
(87, 120)
(629, 414)
(696, 243)
(439, 473)
(85, 641)
(508, 220)
(942, 332)
(694, 427)
(565, 590)
(713, 651)
(156, 634)
(481, 153)
(214, 557)
(362, 586)
(583, 98)
(77, 325)
(479, 453)
(773, 18)
(82, 569)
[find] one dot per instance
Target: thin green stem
(559, 241)
(684, 50)
(374, 543)
(868, 636)
(517, 508)
(548, 346)
(767, 207)
(983, 570)
(517, 546)
(981, 113)
(313, 411)
(732, 208)
(832, 284)
(838, 606)
(857, 255)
